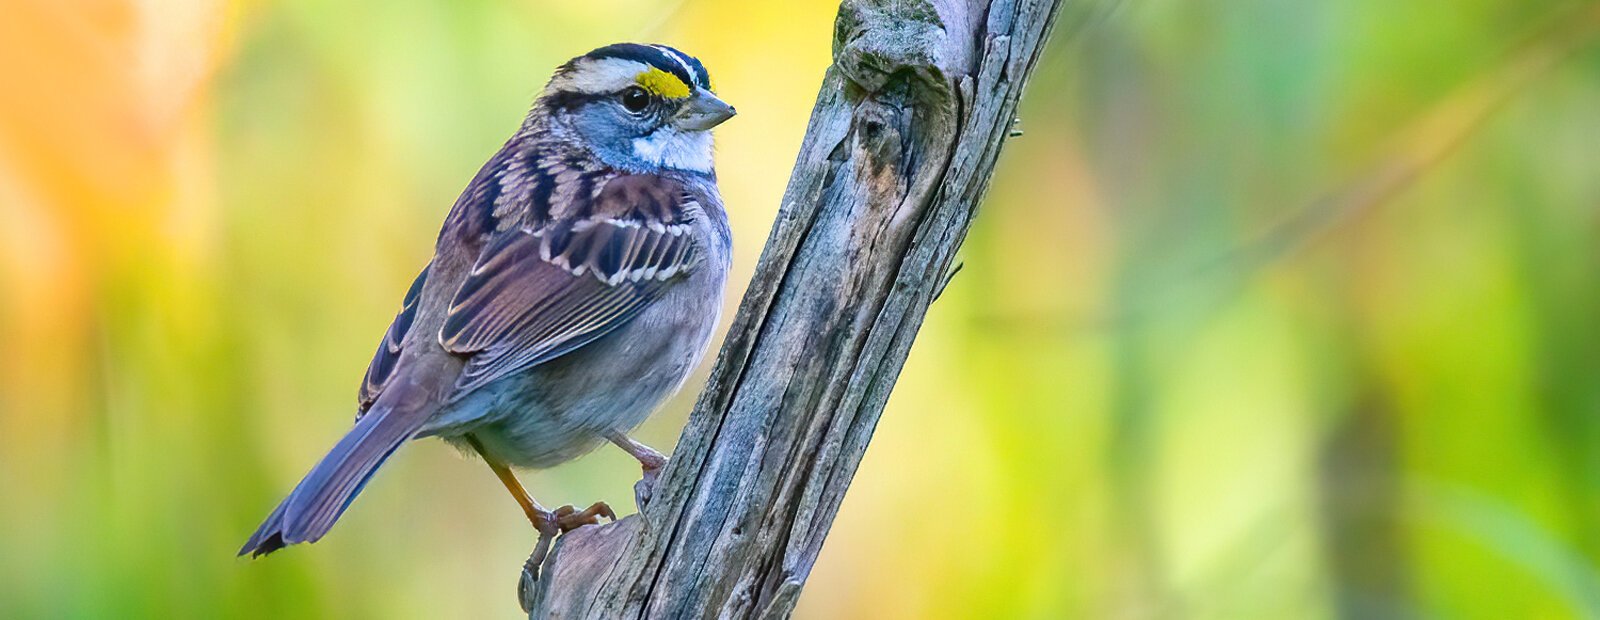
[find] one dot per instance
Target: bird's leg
(649, 460)
(547, 523)
(537, 515)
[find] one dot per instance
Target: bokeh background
(1279, 309)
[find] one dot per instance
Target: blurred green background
(1279, 309)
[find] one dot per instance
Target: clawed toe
(645, 489)
(527, 584)
(569, 518)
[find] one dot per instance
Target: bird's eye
(635, 99)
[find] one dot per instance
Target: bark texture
(898, 154)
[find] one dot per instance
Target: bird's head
(637, 107)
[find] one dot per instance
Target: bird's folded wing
(540, 292)
(383, 361)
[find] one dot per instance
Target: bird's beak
(702, 111)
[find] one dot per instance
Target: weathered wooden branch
(899, 152)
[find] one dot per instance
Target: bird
(575, 284)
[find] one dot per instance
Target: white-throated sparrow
(574, 286)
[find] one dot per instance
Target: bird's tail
(311, 509)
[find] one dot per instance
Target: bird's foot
(650, 461)
(551, 523)
(560, 521)
(644, 490)
(569, 518)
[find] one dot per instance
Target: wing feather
(540, 292)
(383, 361)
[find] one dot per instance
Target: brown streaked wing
(536, 294)
(382, 366)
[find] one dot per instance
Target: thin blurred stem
(1360, 494)
(1433, 137)
(1131, 461)
(1417, 149)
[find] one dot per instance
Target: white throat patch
(670, 148)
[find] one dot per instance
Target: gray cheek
(609, 132)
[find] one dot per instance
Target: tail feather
(316, 503)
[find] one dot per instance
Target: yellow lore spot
(662, 83)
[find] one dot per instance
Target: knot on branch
(882, 43)
(880, 138)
